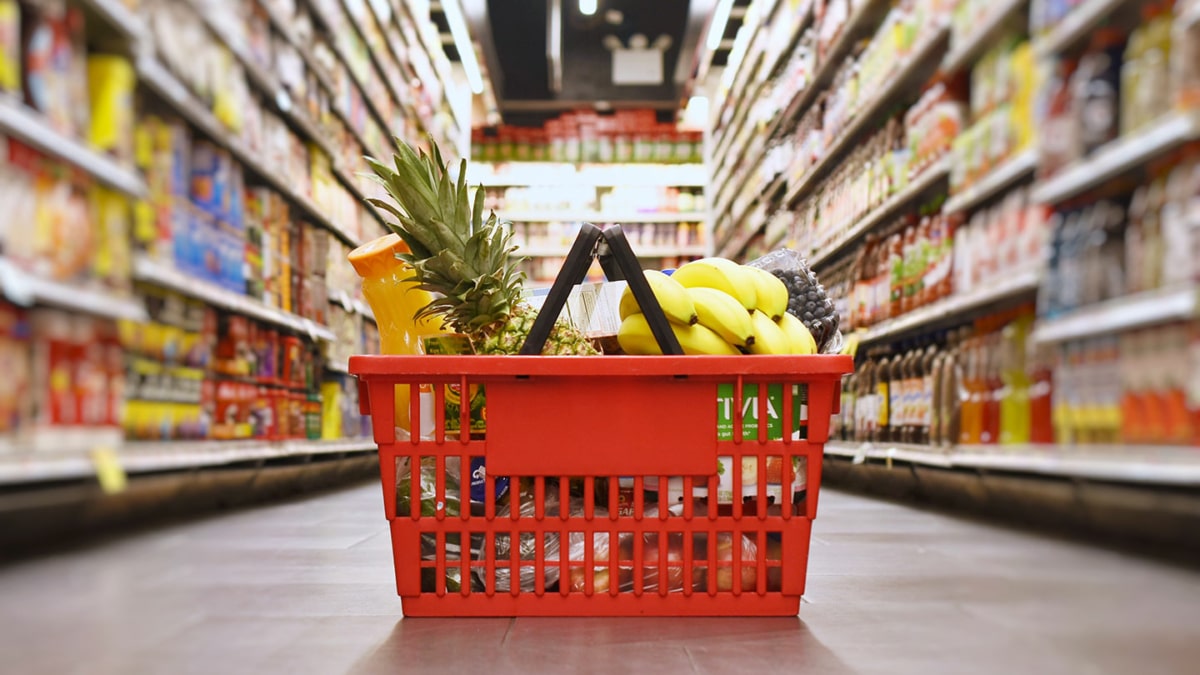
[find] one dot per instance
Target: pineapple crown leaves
(454, 252)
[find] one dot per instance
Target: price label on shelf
(109, 472)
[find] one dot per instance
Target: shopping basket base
(625, 604)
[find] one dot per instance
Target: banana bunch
(717, 306)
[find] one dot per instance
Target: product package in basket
(808, 300)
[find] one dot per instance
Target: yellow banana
(721, 274)
(672, 297)
(772, 293)
(723, 314)
(635, 337)
(769, 338)
(800, 338)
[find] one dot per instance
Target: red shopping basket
(624, 497)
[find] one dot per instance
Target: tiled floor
(307, 587)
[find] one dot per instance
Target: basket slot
(761, 504)
(763, 399)
(489, 563)
(439, 488)
(664, 570)
(738, 407)
(589, 563)
(464, 411)
(414, 416)
(760, 558)
(539, 564)
(439, 414)
(736, 555)
(787, 413)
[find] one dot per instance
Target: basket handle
(616, 250)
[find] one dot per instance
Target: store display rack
(77, 460)
(18, 120)
(1119, 156)
(899, 84)
(1155, 465)
(519, 174)
(166, 276)
(918, 186)
(1012, 285)
(25, 289)
(1075, 27)
(1121, 314)
(855, 25)
(965, 52)
(641, 252)
(994, 183)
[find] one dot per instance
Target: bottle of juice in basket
(395, 302)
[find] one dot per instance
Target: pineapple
(464, 260)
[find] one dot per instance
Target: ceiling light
(716, 29)
(462, 43)
(587, 7)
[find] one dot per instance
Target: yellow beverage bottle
(395, 300)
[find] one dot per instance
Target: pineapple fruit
(465, 261)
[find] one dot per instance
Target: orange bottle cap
(378, 257)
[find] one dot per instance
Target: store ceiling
(514, 35)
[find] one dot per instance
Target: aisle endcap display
(1013, 285)
(76, 461)
(823, 251)
(1155, 465)
(1114, 158)
(963, 54)
(18, 120)
(147, 270)
(513, 174)
(994, 182)
(1159, 306)
(25, 289)
(1075, 27)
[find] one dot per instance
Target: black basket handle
(618, 261)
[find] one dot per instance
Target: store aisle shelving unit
(401, 46)
(743, 203)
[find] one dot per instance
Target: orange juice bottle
(395, 302)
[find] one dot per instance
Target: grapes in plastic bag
(807, 299)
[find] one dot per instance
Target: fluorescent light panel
(462, 42)
(587, 7)
(720, 18)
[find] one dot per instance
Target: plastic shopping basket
(569, 436)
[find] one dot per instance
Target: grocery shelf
(1123, 154)
(16, 119)
(154, 75)
(916, 187)
(342, 299)
(120, 17)
(1156, 465)
(558, 174)
(982, 36)
(26, 289)
(602, 217)
(862, 15)
(1074, 27)
(993, 183)
(74, 461)
(1121, 314)
(897, 84)
(739, 239)
(1009, 286)
(153, 272)
(317, 10)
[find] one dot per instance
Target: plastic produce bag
(807, 299)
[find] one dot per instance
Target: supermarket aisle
(305, 587)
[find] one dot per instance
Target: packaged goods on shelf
(72, 230)
(1117, 246)
(974, 385)
(623, 138)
